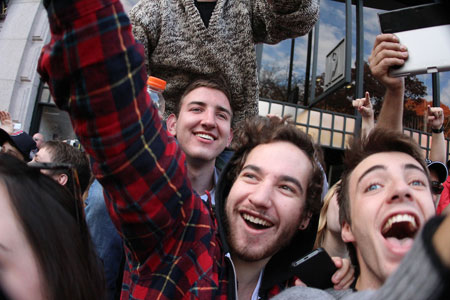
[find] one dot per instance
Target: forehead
(281, 158)
(389, 161)
(208, 96)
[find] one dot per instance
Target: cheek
(290, 209)
(428, 206)
(22, 278)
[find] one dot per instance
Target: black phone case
(315, 269)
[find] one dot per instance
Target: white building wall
(22, 34)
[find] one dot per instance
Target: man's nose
(262, 195)
(400, 191)
(209, 119)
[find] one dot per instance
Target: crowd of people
(213, 202)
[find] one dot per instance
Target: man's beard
(245, 252)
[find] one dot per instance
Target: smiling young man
(202, 126)
(386, 210)
(175, 247)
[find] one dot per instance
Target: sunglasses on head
(436, 187)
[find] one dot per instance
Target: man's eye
(196, 109)
(286, 188)
(223, 116)
(248, 175)
(373, 187)
(417, 183)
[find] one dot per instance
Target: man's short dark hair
(213, 81)
(263, 130)
(64, 153)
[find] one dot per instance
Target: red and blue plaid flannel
(95, 71)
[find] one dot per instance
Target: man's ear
(305, 222)
(62, 179)
(230, 138)
(171, 123)
(347, 233)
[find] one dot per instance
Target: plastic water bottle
(155, 87)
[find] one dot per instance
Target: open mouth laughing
(256, 222)
(400, 228)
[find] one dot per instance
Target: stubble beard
(251, 253)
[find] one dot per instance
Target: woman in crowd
(45, 248)
(329, 230)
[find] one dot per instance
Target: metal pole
(291, 65)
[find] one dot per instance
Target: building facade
(312, 78)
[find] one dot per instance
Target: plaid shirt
(172, 245)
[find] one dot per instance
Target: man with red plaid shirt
(175, 248)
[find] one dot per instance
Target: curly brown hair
(264, 130)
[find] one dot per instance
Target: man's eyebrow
(371, 169)
(252, 167)
(282, 178)
(224, 109)
(292, 180)
(378, 167)
(218, 107)
(415, 167)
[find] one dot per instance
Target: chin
(251, 256)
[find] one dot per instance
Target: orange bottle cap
(156, 82)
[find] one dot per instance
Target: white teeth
(256, 220)
(399, 218)
(205, 136)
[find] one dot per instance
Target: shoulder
(301, 292)
(144, 10)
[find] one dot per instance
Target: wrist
(439, 130)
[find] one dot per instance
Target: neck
(247, 274)
(334, 245)
(367, 278)
(201, 175)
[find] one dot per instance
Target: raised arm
(95, 71)
(388, 52)
(274, 21)
(436, 121)
(364, 107)
(6, 122)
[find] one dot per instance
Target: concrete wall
(22, 35)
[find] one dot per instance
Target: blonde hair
(323, 215)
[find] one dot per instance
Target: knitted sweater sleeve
(145, 19)
(277, 20)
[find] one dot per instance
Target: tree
(273, 85)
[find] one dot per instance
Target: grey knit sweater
(178, 45)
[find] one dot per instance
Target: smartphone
(315, 269)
